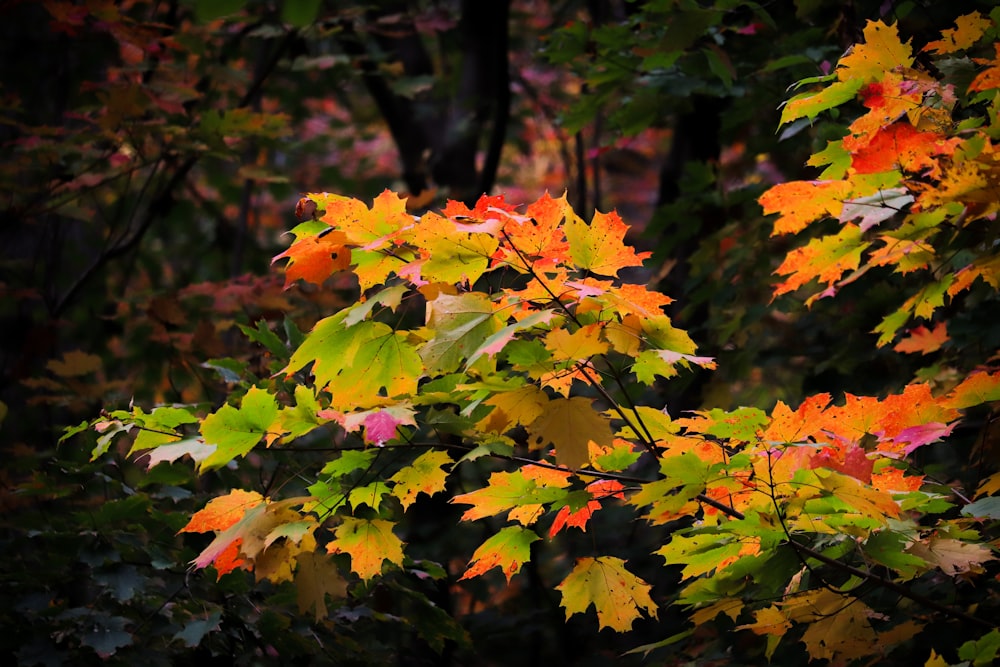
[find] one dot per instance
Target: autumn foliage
(523, 335)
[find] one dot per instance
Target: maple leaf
(509, 549)
(369, 542)
(895, 480)
(699, 554)
(570, 424)
(234, 517)
(601, 488)
(222, 512)
(303, 417)
(834, 631)
(599, 247)
(389, 297)
(923, 340)
(877, 208)
(461, 324)
(789, 427)
(899, 146)
(860, 497)
(825, 259)
(976, 389)
(374, 357)
(159, 426)
(536, 241)
(524, 491)
(196, 448)
(967, 31)
(579, 345)
(853, 461)
(810, 105)
(424, 475)
(518, 407)
(801, 203)
(618, 596)
(361, 226)
(315, 258)
(637, 299)
(75, 363)
(499, 340)
(651, 363)
(989, 78)
(234, 432)
(316, 576)
(450, 252)
(768, 621)
(882, 52)
(951, 555)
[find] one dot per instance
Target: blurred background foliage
(153, 155)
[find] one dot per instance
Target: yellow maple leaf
(521, 406)
(316, 576)
(599, 247)
(369, 542)
(570, 424)
(425, 475)
(967, 31)
(582, 344)
(618, 596)
(882, 52)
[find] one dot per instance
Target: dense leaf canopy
(464, 333)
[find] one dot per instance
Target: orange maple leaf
(222, 512)
(989, 78)
(315, 258)
(803, 202)
(826, 259)
(923, 340)
(900, 146)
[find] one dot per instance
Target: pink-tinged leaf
(923, 434)
(379, 423)
(589, 289)
(672, 357)
(380, 427)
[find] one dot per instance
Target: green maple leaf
(461, 323)
(234, 432)
(619, 596)
(698, 554)
(357, 363)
